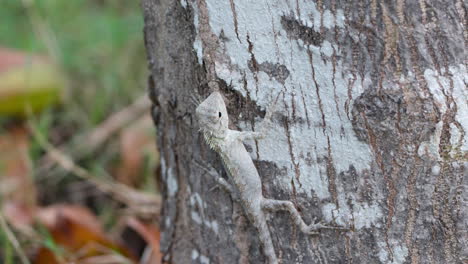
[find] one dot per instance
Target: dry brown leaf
(78, 231)
(54, 217)
(45, 256)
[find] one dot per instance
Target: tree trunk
(370, 131)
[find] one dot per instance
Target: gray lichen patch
(296, 30)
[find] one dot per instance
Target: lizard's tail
(265, 238)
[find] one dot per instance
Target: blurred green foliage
(7, 249)
(97, 43)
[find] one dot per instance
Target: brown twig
(117, 121)
(91, 141)
(139, 202)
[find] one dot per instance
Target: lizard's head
(212, 115)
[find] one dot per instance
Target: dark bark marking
(293, 106)
(253, 65)
(252, 120)
(432, 251)
(440, 44)
(441, 201)
(361, 11)
(174, 229)
(435, 61)
(244, 84)
(294, 200)
(331, 173)
(257, 151)
(372, 42)
(461, 10)
(398, 59)
(336, 30)
(237, 103)
(413, 210)
(389, 184)
(350, 96)
(462, 133)
(319, 253)
(349, 257)
(275, 36)
(411, 182)
(419, 75)
(320, 7)
(415, 62)
(234, 15)
(305, 106)
(298, 9)
(415, 257)
(277, 71)
(422, 6)
(438, 41)
(374, 10)
(415, 65)
(399, 10)
(297, 170)
(210, 44)
(296, 30)
(353, 70)
(254, 68)
(317, 90)
(390, 41)
(334, 83)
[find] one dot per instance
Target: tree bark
(370, 131)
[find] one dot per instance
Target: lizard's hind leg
(278, 205)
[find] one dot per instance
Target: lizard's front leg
(228, 188)
(221, 182)
(278, 205)
(260, 134)
(251, 135)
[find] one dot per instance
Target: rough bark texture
(370, 132)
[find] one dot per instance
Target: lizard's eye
(219, 114)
